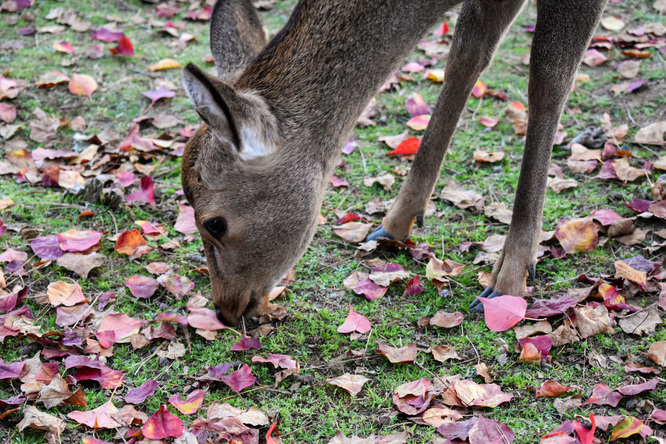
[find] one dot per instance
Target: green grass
(312, 410)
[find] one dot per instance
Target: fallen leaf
(577, 235)
(398, 355)
(353, 231)
(447, 320)
(353, 384)
(502, 313)
(657, 352)
(82, 85)
(487, 156)
(162, 424)
(551, 389)
(480, 395)
(99, 418)
(419, 123)
(139, 394)
(443, 353)
(642, 322)
(77, 241)
(407, 147)
(81, 264)
(593, 321)
(142, 286)
(62, 293)
(191, 404)
(460, 197)
(164, 64)
(355, 322)
(603, 395)
(239, 379)
(35, 419)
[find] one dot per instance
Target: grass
(312, 410)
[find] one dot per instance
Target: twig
(306, 426)
(365, 166)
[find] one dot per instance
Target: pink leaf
(503, 312)
(355, 322)
(144, 194)
(246, 343)
(142, 286)
(240, 379)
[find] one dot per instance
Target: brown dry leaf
(563, 335)
(43, 127)
(660, 163)
(580, 152)
(480, 395)
(82, 85)
(627, 173)
(394, 141)
(443, 353)
(175, 350)
(525, 331)
(436, 416)
(250, 416)
(564, 405)
(499, 212)
(35, 419)
(460, 197)
(352, 383)
(353, 231)
(626, 271)
(652, 134)
(396, 355)
(81, 264)
(447, 320)
(629, 68)
(482, 370)
(657, 353)
(386, 181)
(487, 156)
(55, 393)
(642, 322)
(559, 185)
(593, 321)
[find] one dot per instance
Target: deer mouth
(231, 319)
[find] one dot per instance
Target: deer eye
(216, 226)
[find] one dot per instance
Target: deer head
(255, 206)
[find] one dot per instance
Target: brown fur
(273, 137)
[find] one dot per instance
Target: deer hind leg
(563, 31)
(479, 30)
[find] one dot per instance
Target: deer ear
(214, 101)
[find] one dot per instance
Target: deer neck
(321, 70)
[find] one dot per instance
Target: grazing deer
(277, 116)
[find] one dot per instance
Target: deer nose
(223, 319)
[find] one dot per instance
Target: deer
(278, 113)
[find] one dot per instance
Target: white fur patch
(252, 145)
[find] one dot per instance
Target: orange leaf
(627, 427)
(577, 235)
(269, 434)
(82, 85)
(129, 241)
(164, 64)
(407, 147)
(162, 424)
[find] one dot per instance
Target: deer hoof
(531, 272)
(488, 293)
(377, 233)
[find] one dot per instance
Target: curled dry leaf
(81, 264)
(443, 353)
(460, 197)
(480, 395)
(164, 64)
(657, 352)
(487, 156)
(593, 321)
(551, 389)
(641, 323)
(353, 384)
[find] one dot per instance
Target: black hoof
(377, 233)
(532, 272)
(488, 293)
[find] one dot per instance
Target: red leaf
(64, 47)
(603, 395)
(240, 379)
(542, 308)
(162, 424)
(191, 405)
(355, 322)
(129, 242)
(488, 122)
(414, 287)
(142, 286)
(269, 434)
(124, 47)
(146, 193)
(407, 147)
(585, 435)
(503, 312)
(442, 30)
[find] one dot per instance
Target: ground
(306, 407)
